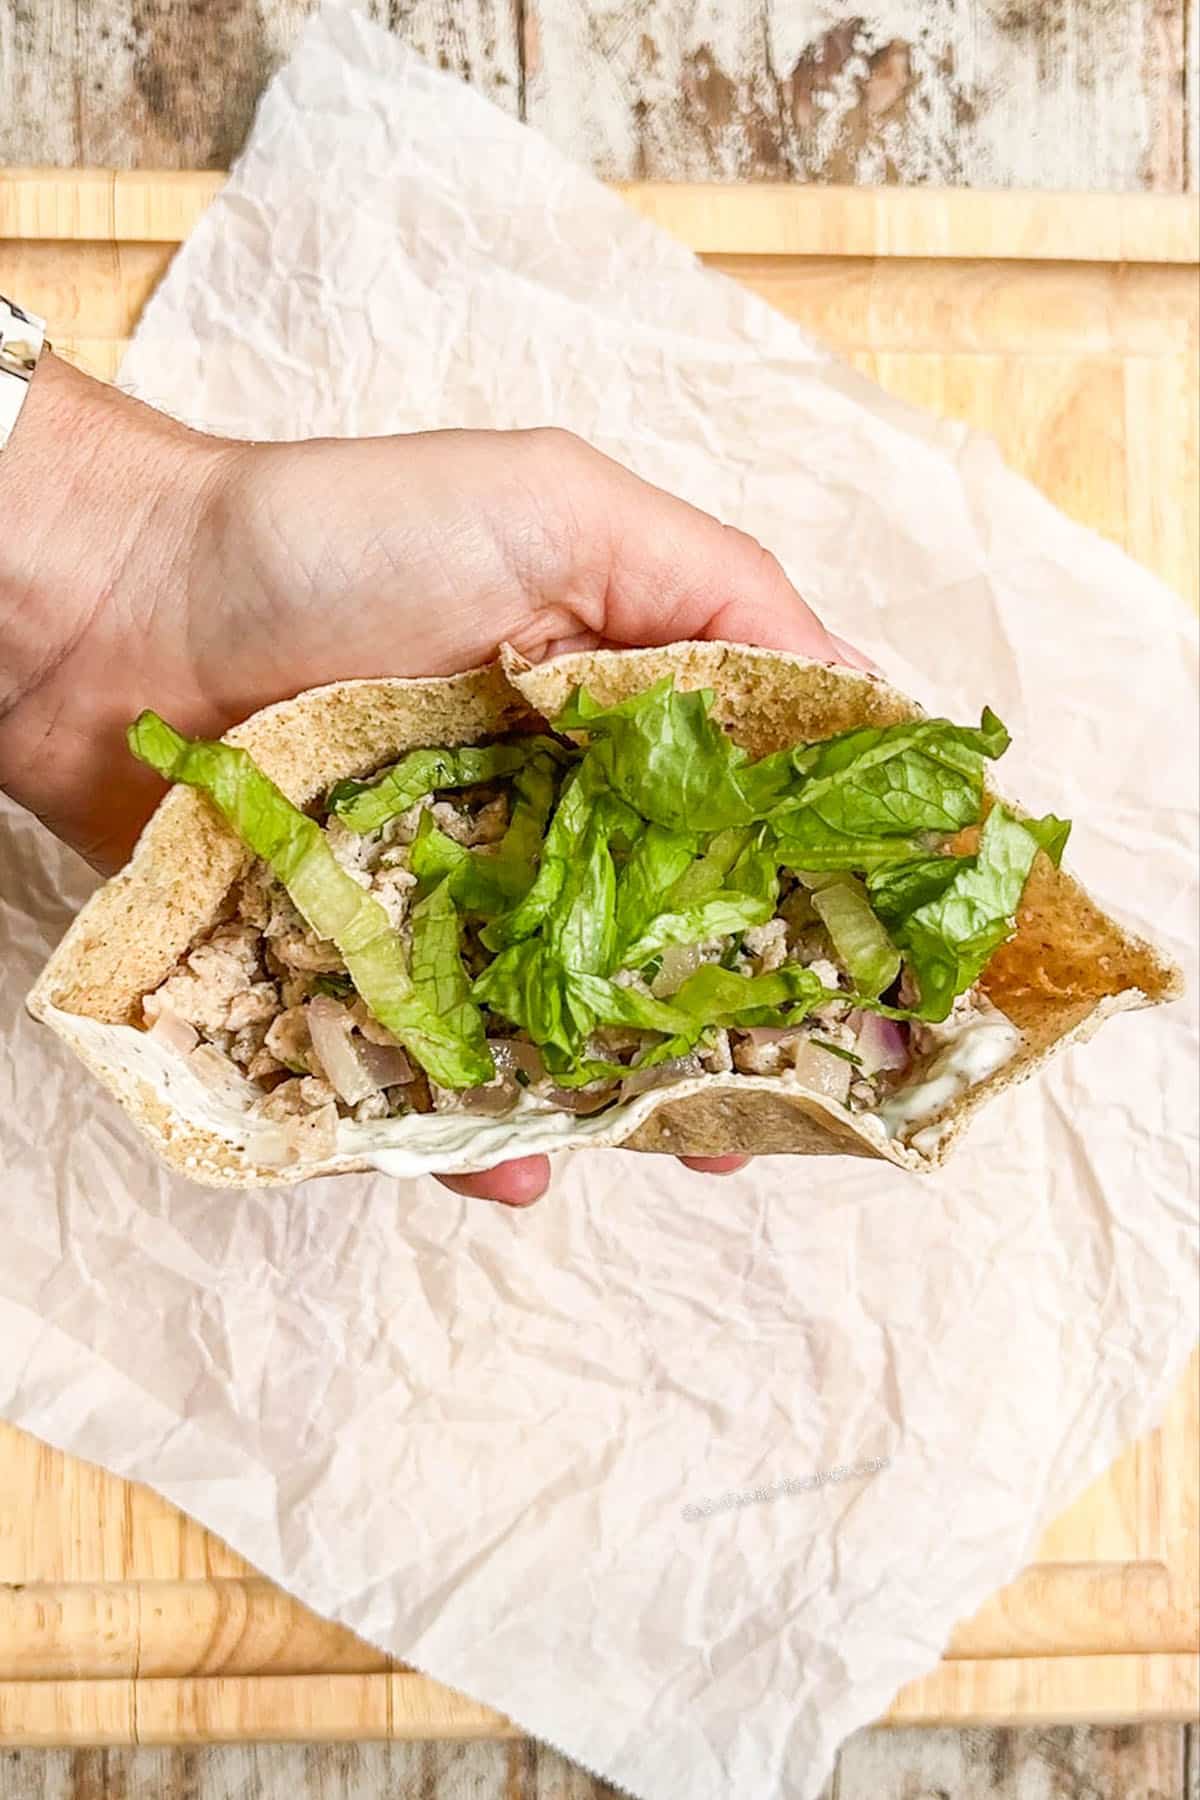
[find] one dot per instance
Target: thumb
(676, 572)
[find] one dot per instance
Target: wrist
(99, 498)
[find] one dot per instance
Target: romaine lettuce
(451, 1048)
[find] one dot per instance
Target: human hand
(156, 566)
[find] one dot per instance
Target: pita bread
(1067, 969)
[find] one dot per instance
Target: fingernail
(854, 657)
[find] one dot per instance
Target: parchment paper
(471, 1433)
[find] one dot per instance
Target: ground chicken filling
(261, 999)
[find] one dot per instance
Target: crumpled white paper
(471, 1433)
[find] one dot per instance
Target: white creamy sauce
(446, 1142)
(415, 1144)
(985, 1043)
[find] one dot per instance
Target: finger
(517, 1183)
(715, 1165)
(856, 658)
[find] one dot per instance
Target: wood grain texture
(514, 1771)
(1058, 1764)
(1073, 93)
(1131, 1763)
(157, 206)
(1082, 94)
(174, 83)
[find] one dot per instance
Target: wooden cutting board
(1066, 326)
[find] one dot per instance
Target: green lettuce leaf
(525, 985)
(655, 864)
(534, 789)
(487, 881)
(1050, 834)
(724, 913)
(949, 937)
(580, 928)
(882, 781)
(560, 847)
(661, 751)
(327, 897)
(756, 868)
(716, 996)
(366, 805)
(444, 991)
(708, 874)
(607, 1004)
(861, 943)
(897, 891)
(805, 841)
(480, 884)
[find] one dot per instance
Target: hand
(154, 566)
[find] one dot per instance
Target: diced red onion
(511, 1054)
(579, 1100)
(882, 1043)
(766, 1034)
(678, 1068)
(493, 1098)
(174, 1033)
(386, 1064)
(331, 1026)
(224, 1077)
(821, 1071)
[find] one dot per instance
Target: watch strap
(22, 340)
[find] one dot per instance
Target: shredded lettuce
(665, 756)
(859, 939)
(948, 936)
(451, 1048)
(919, 775)
(560, 848)
(481, 885)
(713, 918)
(658, 831)
(716, 996)
(366, 805)
(444, 992)
(651, 874)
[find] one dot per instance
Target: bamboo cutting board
(1067, 328)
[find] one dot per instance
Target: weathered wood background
(1070, 1764)
(980, 93)
(1091, 94)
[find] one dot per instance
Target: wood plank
(776, 220)
(1068, 1763)
(66, 1712)
(846, 221)
(1096, 1690)
(321, 1708)
(944, 92)
(157, 1629)
(1019, 309)
(948, 92)
(514, 1770)
(130, 84)
(305, 1709)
